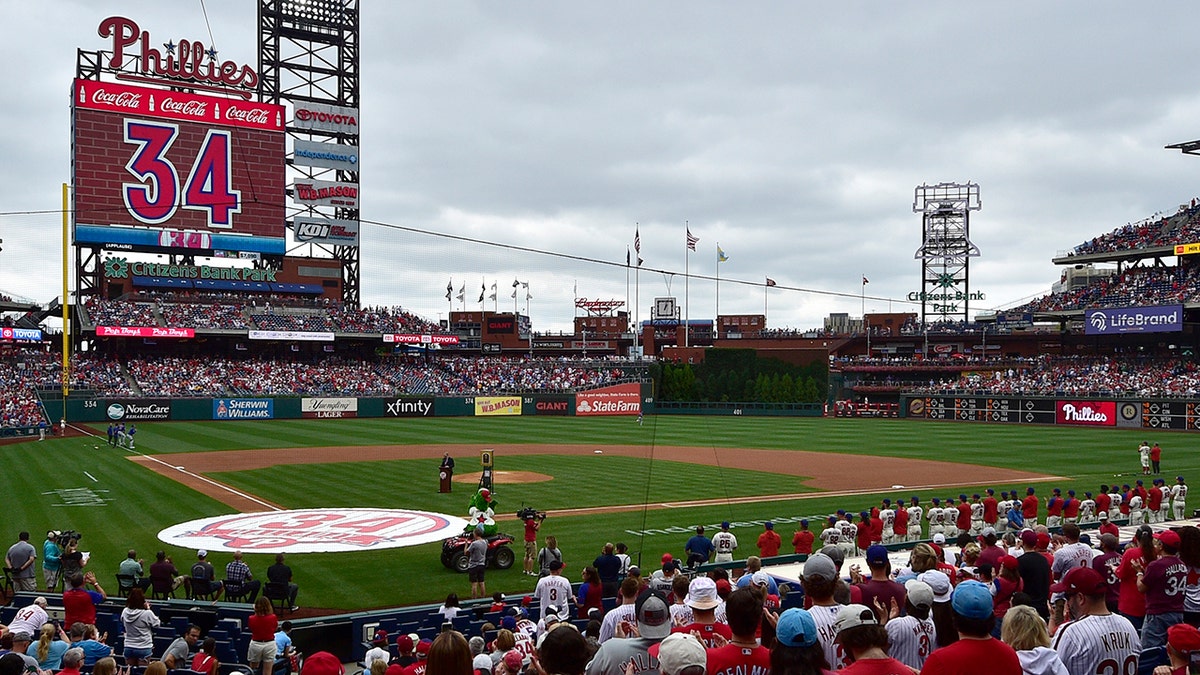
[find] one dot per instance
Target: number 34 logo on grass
(158, 195)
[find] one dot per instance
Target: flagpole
(687, 262)
(637, 281)
(628, 309)
(718, 281)
(765, 288)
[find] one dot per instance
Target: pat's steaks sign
(314, 530)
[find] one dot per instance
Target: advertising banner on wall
(1116, 320)
(325, 193)
(144, 332)
(326, 230)
(243, 408)
(409, 407)
(619, 399)
(325, 155)
(328, 408)
(137, 411)
(547, 405)
(497, 405)
(415, 339)
(1086, 413)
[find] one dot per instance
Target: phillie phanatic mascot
(481, 511)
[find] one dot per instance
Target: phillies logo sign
(314, 530)
(188, 60)
(1086, 413)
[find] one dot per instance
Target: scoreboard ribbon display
(162, 158)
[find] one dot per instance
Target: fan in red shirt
(1029, 507)
(263, 625)
(974, 620)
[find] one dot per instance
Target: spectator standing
(554, 590)
(653, 625)
(880, 586)
(280, 573)
(476, 551)
(1163, 581)
(703, 601)
(1035, 574)
(1132, 600)
(769, 541)
(564, 652)
(1094, 635)
(912, 636)
(20, 557)
(139, 623)
(608, 569)
(819, 580)
(51, 560)
(624, 612)
(974, 620)
(79, 604)
(1183, 640)
(263, 624)
(742, 653)
(1106, 563)
(550, 552)
(862, 637)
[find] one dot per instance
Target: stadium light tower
(946, 249)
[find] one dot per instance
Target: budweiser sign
(187, 61)
(176, 105)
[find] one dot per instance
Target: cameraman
(533, 522)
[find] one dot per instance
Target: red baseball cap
(667, 557)
(1169, 537)
(1081, 580)
(1184, 638)
(1009, 562)
(1043, 540)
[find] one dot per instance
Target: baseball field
(600, 479)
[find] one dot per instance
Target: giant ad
(618, 399)
(1117, 320)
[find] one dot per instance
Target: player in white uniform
(888, 517)
(1164, 507)
(832, 534)
(1179, 499)
(914, 520)
(725, 544)
(1087, 509)
(1136, 515)
(1002, 508)
(936, 523)
(849, 535)
(1115, 500)
(1096, 640)
(950, 519)
(1144, 457)
(976, 516)
(911, 639)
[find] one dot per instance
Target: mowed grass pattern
(142, 502)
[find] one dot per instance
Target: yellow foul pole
(66, 298)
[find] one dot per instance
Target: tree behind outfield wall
(740, 375)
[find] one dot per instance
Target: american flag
(866, 280)
(770, 281)
(691, 240)
(637, 241)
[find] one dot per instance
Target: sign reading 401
(157, 157)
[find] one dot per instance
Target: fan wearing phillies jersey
(913, 636)
(1164, 582)
(1106, 563)
(915, 513)
(819, 580)
(1179, 501)
(1095, 640)
(554, 590)
(703, 599)
(743, 655)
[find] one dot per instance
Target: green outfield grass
(83, 484)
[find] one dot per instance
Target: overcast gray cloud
(792, 133)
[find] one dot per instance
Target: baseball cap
(1009, 562)
(1081, 580)
(202, 553)
(551, 616)
(1104, 515)
(555, 565)
(512, 660)
(322, 663)
(702, 594)
(938, 582)
(877, 555)
(381, 637)
(919, 593)
(853, 616)
(834, 553)
(723, 587)
(769, 525)
(1029, 537)
(796, 628)
(423, 646)
(404, 642)
(821, 567)
(988, 531)
(1184, 638)
(1043, 539)
(482, 662)
(634, 571)
(760, 578)
(509, 622)
(1179, 478)
(653, 616)
(680, 651)
(939, 538)
(1169, 538)
(972, 600)
(667, 557)
(725, 525)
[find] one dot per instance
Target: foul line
(195, 476)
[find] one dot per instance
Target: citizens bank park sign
(313, 531)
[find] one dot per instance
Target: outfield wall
(618, 399)
(1125, 413)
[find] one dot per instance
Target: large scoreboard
(1140, 413)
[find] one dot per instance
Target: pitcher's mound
(504, 477)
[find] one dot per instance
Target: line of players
(892, 523)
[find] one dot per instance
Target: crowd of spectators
(1158, 230)
(214, 315)
(380, 320)
(120, 313)
(1134, 286)
(1080, 376)
(311, 323)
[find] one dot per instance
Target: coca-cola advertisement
(1086, 413)
(177, 105)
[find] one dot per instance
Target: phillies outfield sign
(176, 161)
(1086, 413)
(314, 530)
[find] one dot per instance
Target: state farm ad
(1086, 413)
(619, 399)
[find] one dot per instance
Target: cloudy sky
(791, 133)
